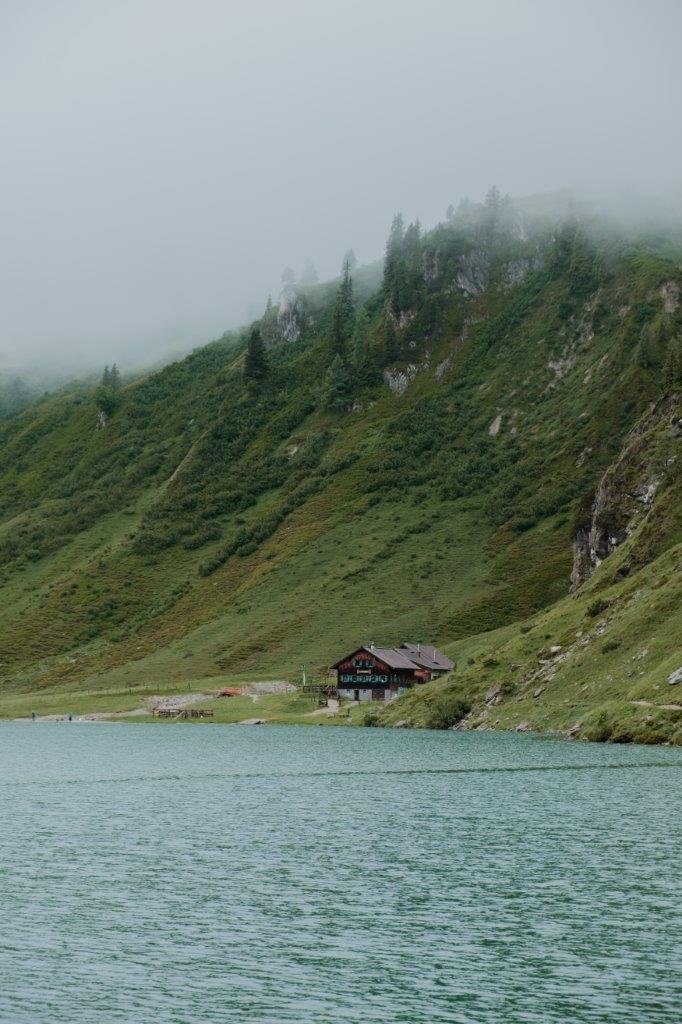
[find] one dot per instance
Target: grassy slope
(608, 676)
(405, 518)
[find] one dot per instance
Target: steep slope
(605, 662)
(431, 482)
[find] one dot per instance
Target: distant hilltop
(476, 441)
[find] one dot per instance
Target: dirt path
(174, 703)
(170, 702)
(332, 708)
(650, 704)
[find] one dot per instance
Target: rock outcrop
(289, 316)
(626, 491)
(398, 380)
(670, 294)
(474, 273)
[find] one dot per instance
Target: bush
(601, 729)
(597, 607)
(147, 543)
(446, 710)
(204, 535)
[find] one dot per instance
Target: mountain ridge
(430, 484)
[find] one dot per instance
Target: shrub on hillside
(147, 543)
(204, 535)
(446, 709)
(597, 607)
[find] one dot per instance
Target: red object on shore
(230, 691)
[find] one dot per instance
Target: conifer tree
(337, 384)
(268, 323)
(390, 343)
(493, 198)
(360, 343)
(412, 240)
(491, 213)
(14, 396)
(309, 275)
(107, 395)
(351, 260)
(394, 248)
(343, 314)
(255, 363)
(403, 272)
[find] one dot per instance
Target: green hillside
(417, 457)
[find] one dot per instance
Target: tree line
(108, 394)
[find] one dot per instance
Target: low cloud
(163, 161)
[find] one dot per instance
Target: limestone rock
(624, 494)
(494, 427)
(670, 294)
(399, 380)
(473, 275)
(494, 695)
(442, 368)
(289, 316)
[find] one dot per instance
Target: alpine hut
(382, 673)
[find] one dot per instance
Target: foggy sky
(162, 160)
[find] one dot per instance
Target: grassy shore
(600, 664)
(134, 705)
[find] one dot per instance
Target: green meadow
(414, 459)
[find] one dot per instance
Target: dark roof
(392, 656)
(428, 656)
(406, 656)
(389, 655)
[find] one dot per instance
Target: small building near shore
(382, 673)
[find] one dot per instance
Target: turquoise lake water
(193, 874)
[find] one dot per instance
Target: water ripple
(275, 776)
(339, 876)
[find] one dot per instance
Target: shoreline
(141, 716)
(279, 702)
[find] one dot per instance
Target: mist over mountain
(320, 319)
(340, 390)
(163, 162)
(476, 441)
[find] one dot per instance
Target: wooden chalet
(382, 673)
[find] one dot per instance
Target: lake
(153, 874)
